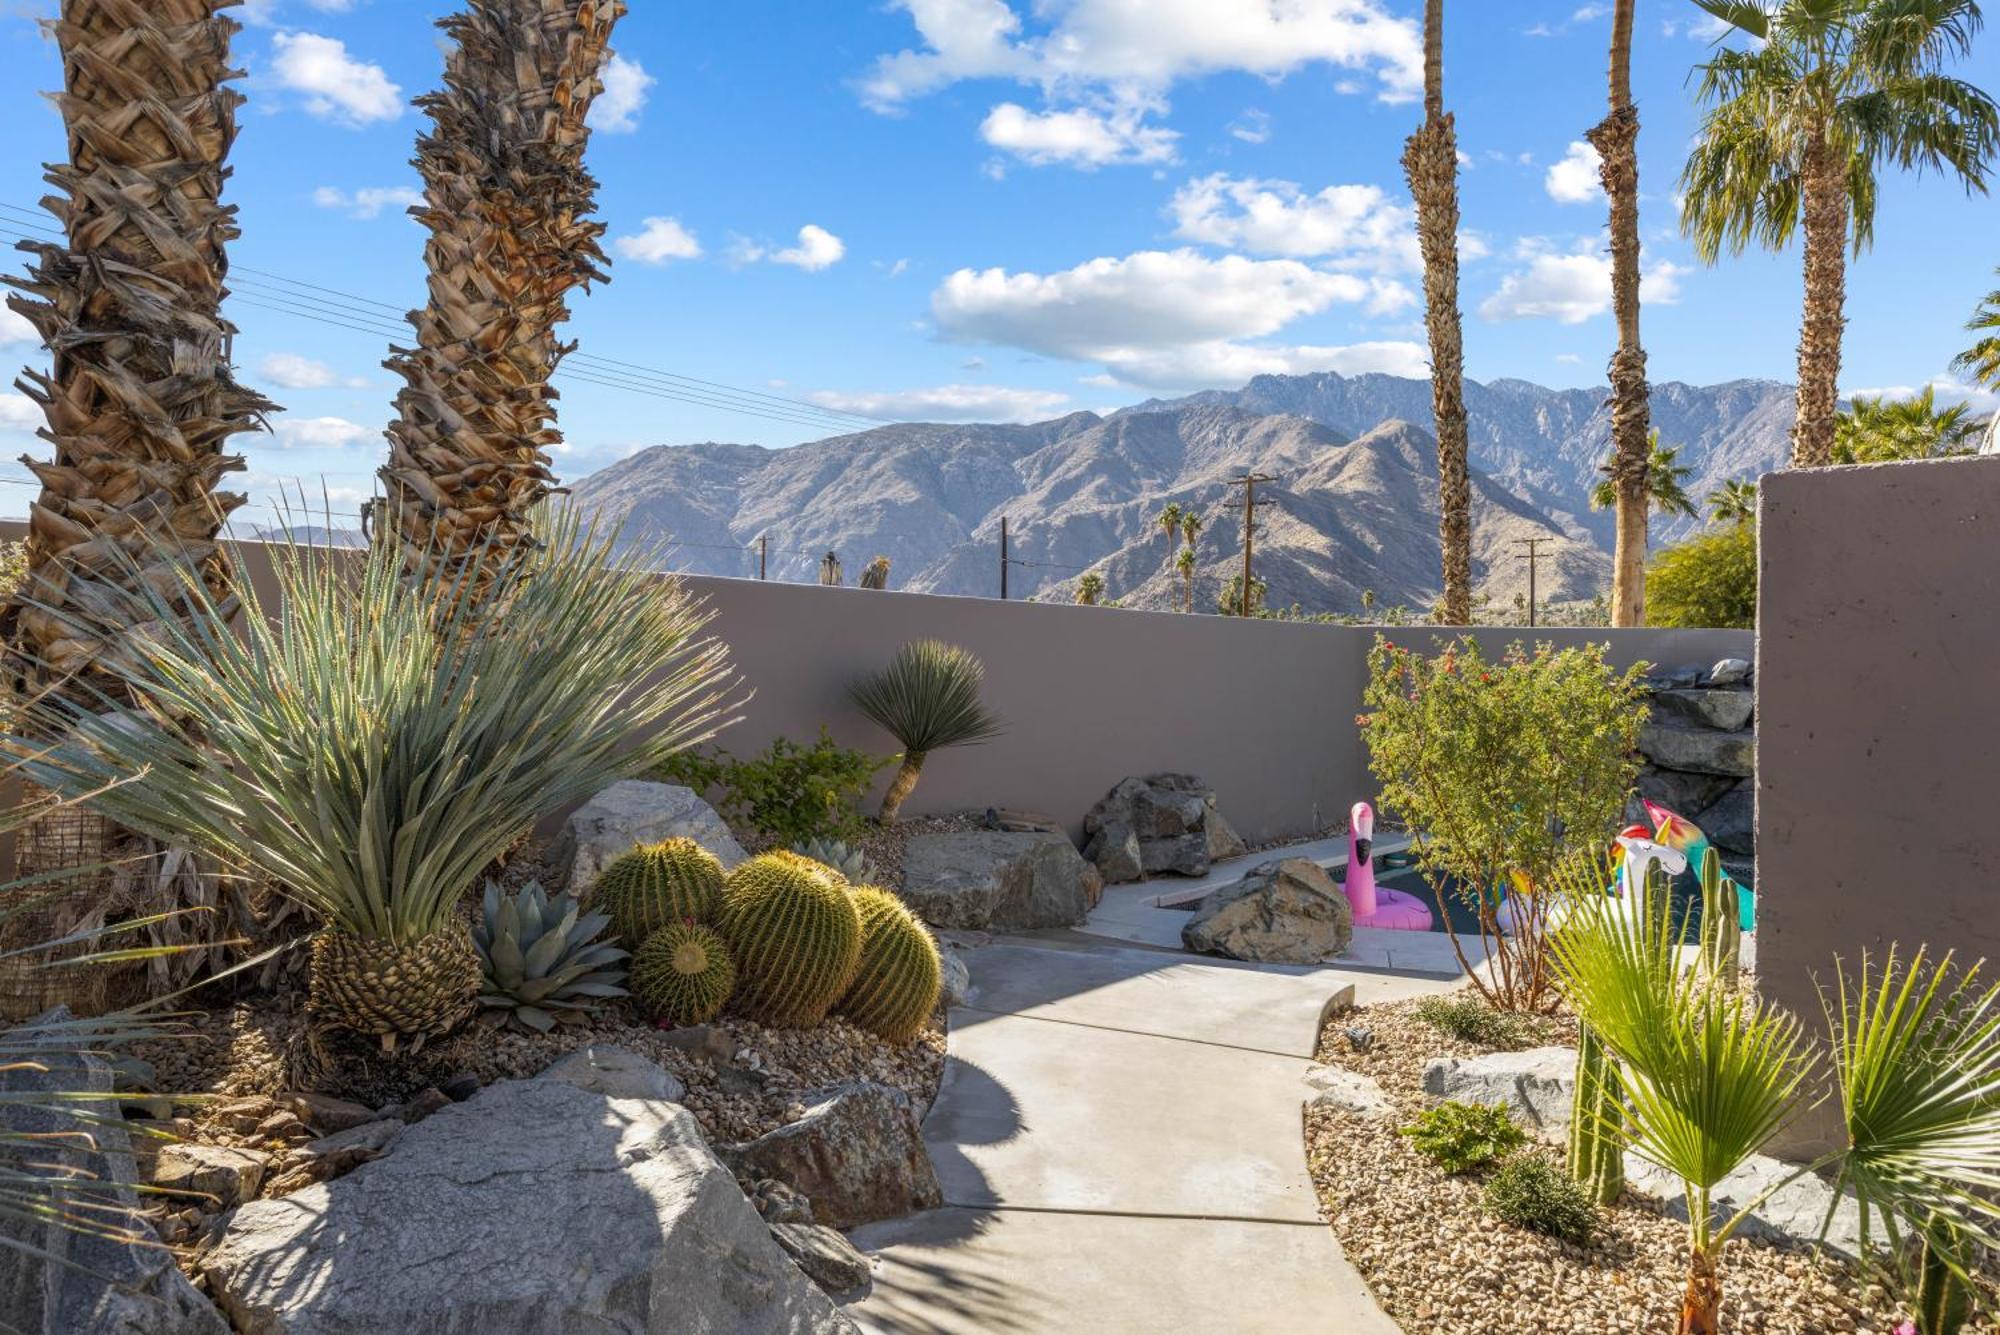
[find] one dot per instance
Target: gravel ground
(1438, 1263)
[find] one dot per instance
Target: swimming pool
(1465, 919)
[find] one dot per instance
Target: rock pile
(1282, 912)
(1701, 752)
(1158, 823)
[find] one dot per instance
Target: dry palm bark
(1430, 162)
(1616, 140)
(506, 201)
(1824, 186)
(141, 403)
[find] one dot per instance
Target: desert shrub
(1459, 1137)
(1501, 767)
(793, 793)
(1471, 1019)
(1709, 580)
(1532, 1193)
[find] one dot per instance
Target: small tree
(1734, 502)
(1231, 602)
(1666, 482)
(927, 699)
(1501, 767)
(1089, 589)
(1709, 580)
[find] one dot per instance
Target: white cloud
(18, 412)
(325, 433)
(617, 108)
(817, 249)
(1950, 389)
(14, 328)
(1078, 138)
(659, 241)
(1709, 28)
(1573, 288)
(1227, 365)
(263, 13)
(949, 403)
(1574, 180)
(291, 371)
(368, 202)
(337, 87)
(1355, 224)
(1568, 359)
(1252, 127)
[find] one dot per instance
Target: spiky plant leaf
(927, 698)
(564, 970)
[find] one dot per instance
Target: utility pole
(1534, 557)
(763, 553)
(1249, 483)
(1003, 558)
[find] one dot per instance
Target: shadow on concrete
(932, 1281)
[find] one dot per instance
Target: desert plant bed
(1438, 1261)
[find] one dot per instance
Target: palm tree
(1169, 520)
(506, 201)
(927, 699)
(1191, 526)
(1616, 139)
(1793, 134)
(1734, 502)
(1981, 361)
(1089, 588)
(1882, 429)
(1666, 481)
(1185, 564)
(1430, 164)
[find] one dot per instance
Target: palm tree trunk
(1701, 1303)
(1616, 139)
(1826, 205)
(1430, 164)
(506, 200)
(901, 787)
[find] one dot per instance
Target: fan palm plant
(372, 741)
(507, 203)
(927, 698)
(1089, 588)
(1185, 563)
(1981, 361)
(1666, 481)
(1734, 502)
(1882, 429)
(1795, 131)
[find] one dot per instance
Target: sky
(824, 212)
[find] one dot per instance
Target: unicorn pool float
(1375, 906)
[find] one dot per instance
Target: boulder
(957, 978)
(998, 881)
(328, 1115)
(1681, 793)
(1731, 821)
(634, 811)
(1793, 1213)
(82, 1282)
(535, 1206)
(617, 1073)
(1329, 1088)
(1537, 1085)
(1285, 912)
(827, 1257)
(1726, 709)
(1729, 672)
(228, 1174)
(1158, 823)
(1678, 746)
(858, 1153)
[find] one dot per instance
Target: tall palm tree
(1089, 589)
(1794, 132)
(1185, 564)
(1616, 139)
(1191, 526)
(1430, 164)
(1882, 429)
(506, 201)
(1981, 361)
(1169, 520)
(1666, 481)
(1734, 502)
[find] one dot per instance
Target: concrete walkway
(1118, 1136)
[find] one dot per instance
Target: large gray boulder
(536, 1207)
(1158, 823)
(1284, 912)
(993, 880)
(1731, 821)
(1793, 1212)
(635, 811)
(858, 1154)
(1683, 746)
(80, 1282)
(1726, 709)
(1332, 1089)
(1537, 1086)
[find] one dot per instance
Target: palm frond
(927, 698)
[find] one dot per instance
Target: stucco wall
(1878, 719)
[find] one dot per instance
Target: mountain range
(1351, 509)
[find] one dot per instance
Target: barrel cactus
(540, 958)
(683, 974)
(896, 986)
(675, 880)
(796, 936)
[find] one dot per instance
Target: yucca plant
(372, 742)
(927, 699)
(540, 959)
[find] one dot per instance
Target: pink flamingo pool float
(1375, 907)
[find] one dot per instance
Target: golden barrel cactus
(675, 880)
(796, 935)
(896, 984)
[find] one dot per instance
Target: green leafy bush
(1709, 580)
(1531, 1193)
(1459, 1137)
(793, 793)
(1502, 767)
(1470, 1019)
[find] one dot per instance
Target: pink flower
(1907, 1328)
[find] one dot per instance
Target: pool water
(1465, 919)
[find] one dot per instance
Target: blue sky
(984, 209)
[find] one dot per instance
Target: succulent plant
(683, 974)
(796, 936)
(843, 857)
(1721, 925)
(897, 982)
(675, 880)
(1596, 1121)
(540, 956)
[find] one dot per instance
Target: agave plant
(540, 958)
(372, 742)
(927, 699)
(852, 863)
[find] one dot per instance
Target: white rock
(616, 1073)
(1795, 1211)
(1729, 671)
(1537, 1086)
(634, 811)
(1330, 1087)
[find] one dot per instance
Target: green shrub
(793, 793)
(1459, 1137)
(1470, 1019)
(1709, 580)
(1531, 1193)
